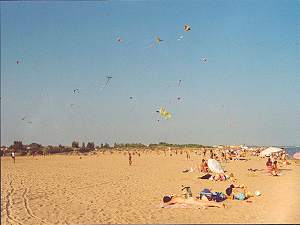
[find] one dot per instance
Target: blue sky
(247, 92)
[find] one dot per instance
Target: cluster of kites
(162, 111)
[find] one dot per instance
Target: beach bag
(218, 196)
(207, 193)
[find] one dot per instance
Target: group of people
(272, 167)
(210, 199)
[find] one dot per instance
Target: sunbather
(275, 170)
(171, 200)
(220, 177)
(269, 165)
(203, 166)
(237, 192)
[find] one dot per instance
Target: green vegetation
(37, 149)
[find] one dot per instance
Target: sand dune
(103, 188)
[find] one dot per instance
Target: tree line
(35, 148)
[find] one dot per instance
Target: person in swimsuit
(275, 170)
(203, 166)
(269, 165)
(171, 200)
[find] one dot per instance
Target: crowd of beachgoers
(210, 168)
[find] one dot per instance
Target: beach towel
(218, 196)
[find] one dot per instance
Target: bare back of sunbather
(192, 201)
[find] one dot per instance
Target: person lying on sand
(171, 200)
(238, 192)
(220, 177)
(254, 170)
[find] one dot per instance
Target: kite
(180, 38)
(187, 28)
(158, 40)
(119, 39)
(204, 60)
(76, 91)
(25, 120)
(130, 97)
(164, 113)
(179, 82)
(178, 98)
(108, 78)
(18, 62)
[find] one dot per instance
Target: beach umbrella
(269, 151)
(214, 166)
(296, 155)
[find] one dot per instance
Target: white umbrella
(214, 166)
(269, 151)
(296, 155)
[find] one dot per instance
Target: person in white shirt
(13, 156)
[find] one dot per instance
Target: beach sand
(103, 188)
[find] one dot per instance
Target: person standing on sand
(130, 159)
(13, 156)
(211, 154)
(187, 155)
(269, 165)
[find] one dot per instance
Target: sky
(248, 91)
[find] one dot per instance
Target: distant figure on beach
(13, 156)
(275, 170)
(187, 155)
(223, 156)
(204, 152)
(172, 200)
(211, 154)
(269, 165)
(203, 166)
(130, 159)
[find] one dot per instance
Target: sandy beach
(103, 188)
